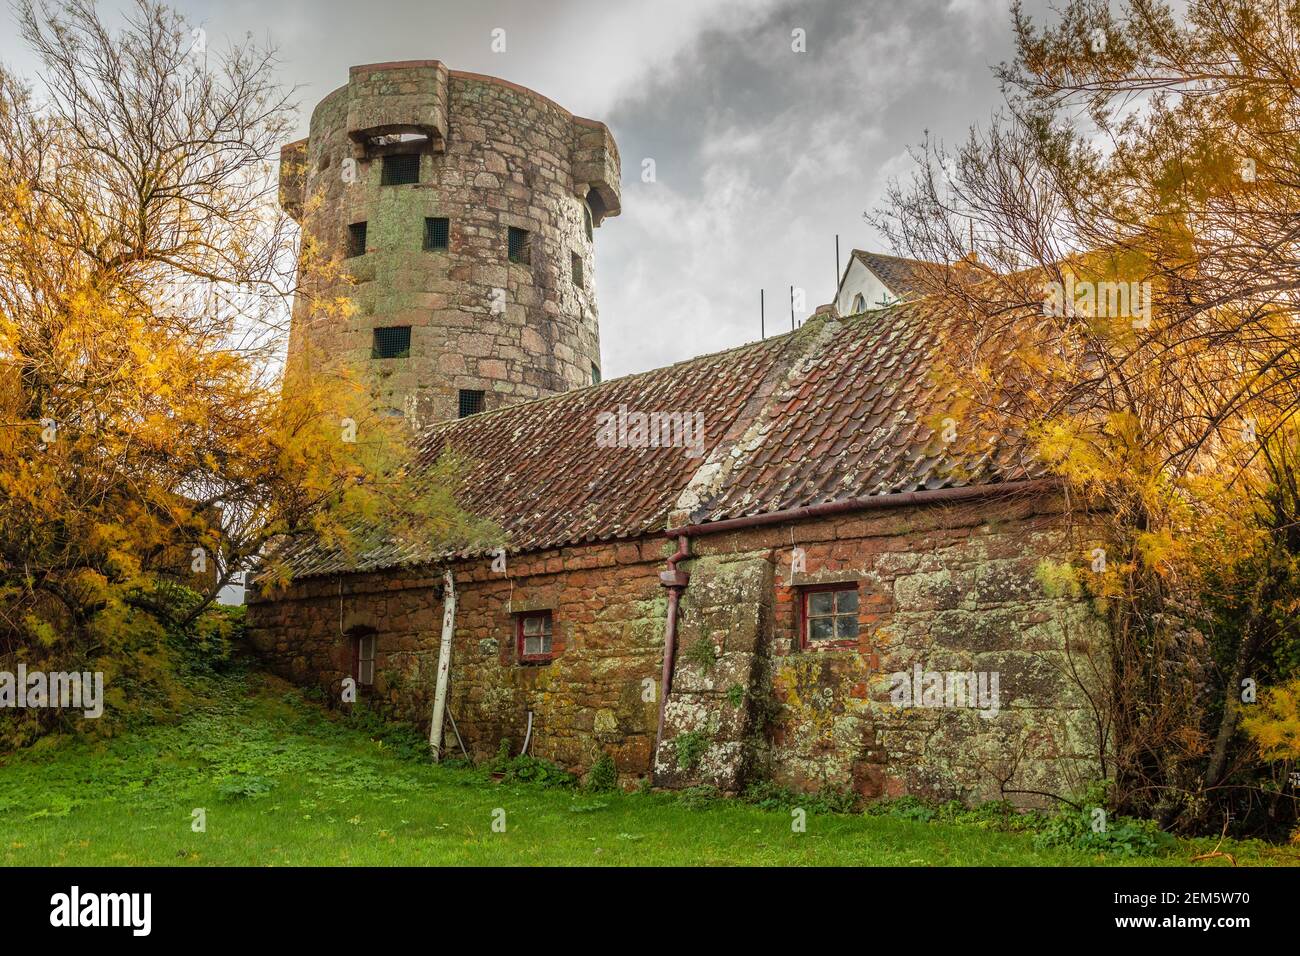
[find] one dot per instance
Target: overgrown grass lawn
(283, 782)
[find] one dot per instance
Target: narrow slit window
(392, 342)
(437, 234)
(576, 263)
(356, 239)
(830, 615)
(400, 169)
(519, 246)
(595, 374)
(533, 630)
(471, 401)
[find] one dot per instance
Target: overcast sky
(762, 154)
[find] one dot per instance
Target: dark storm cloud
(762, 154)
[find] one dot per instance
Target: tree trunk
(1217, 766)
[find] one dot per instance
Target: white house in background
(874, 281)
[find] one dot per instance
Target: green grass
(283, 782)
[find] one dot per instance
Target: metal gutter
(870, 503)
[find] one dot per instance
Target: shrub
(1121, 836)
(541, 772)
(523, 768)
(154, 667)
(207, 647)
(999, 815)
(603, 776)
(1069, 827)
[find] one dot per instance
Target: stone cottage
(771, 563)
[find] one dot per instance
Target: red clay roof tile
(836, 410)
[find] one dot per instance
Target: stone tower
(463, 207)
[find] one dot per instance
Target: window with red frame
(830, 615)
(363, 658)
(533, 632)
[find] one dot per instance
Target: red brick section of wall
(952, 588)
(607, 609)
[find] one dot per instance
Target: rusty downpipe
(675, 581)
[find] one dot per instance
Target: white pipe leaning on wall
(444, 663)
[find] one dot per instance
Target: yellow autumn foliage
(1274, 723)
(147, 450)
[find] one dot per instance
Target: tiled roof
(906, 278)
(833, 411)
(541, 474)
(859, 417)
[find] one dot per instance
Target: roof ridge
(704, 485)
(889, 255)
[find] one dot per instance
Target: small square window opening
(533, 631)
(356, 239)
(437, 234)
(400, 169)
(519, 246)
(392, 342)
(830, 615)
(471, 401)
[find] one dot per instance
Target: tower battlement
(464, 207)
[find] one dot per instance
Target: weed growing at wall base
(528, 769)
(603, 776)
(690, 747)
